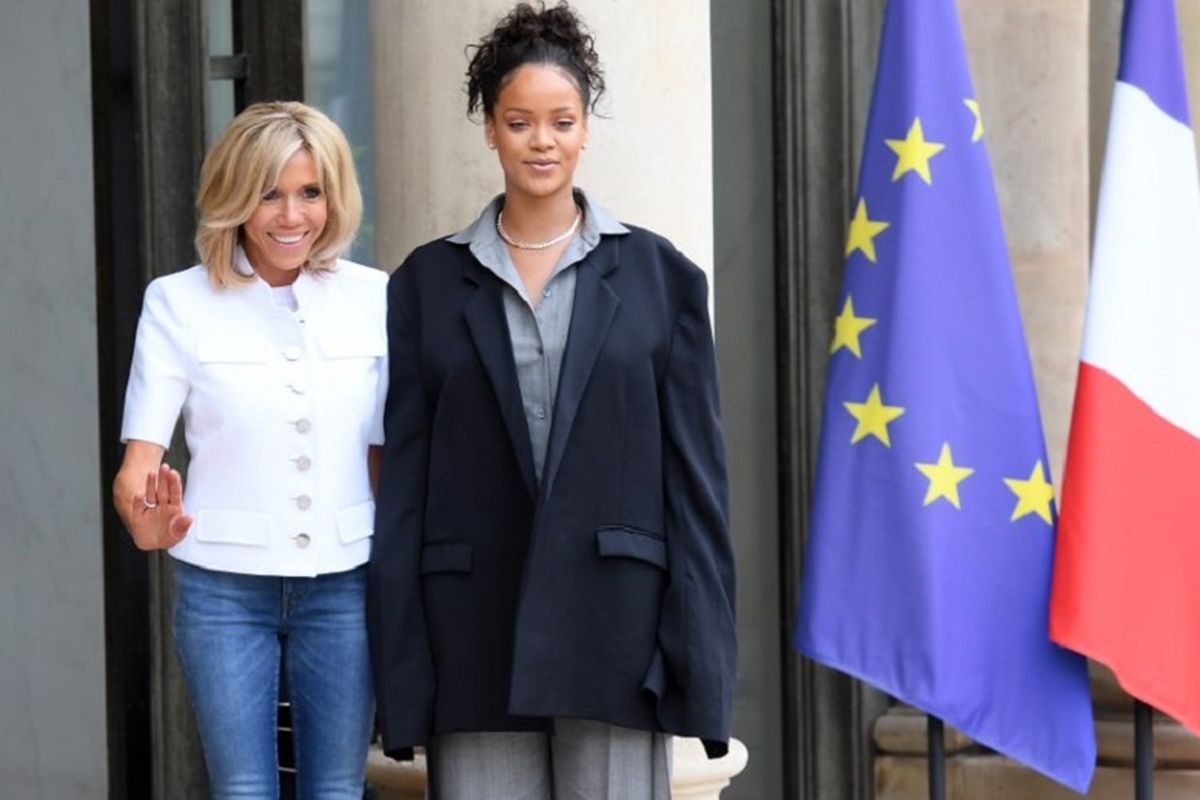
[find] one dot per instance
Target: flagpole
(1143, 751)
(937, 757)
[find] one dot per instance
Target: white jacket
(279, 408)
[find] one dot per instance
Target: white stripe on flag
(1143, 322)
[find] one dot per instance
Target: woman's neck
(531, 219)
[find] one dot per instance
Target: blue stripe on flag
(1151, 56)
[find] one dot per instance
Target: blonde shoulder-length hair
(245, 163)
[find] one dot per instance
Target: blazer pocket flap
(446, 557)
(345, 346)
(210, 351)
(356, 522)
(232, 527)
(620, 542)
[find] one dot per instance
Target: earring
(583, 146)
(491, 145)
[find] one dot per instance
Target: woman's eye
(312, 192)
(565, 124)
(518, 124)
(273, 194)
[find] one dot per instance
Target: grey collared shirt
(538, 330)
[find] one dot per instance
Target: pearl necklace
(520, 245)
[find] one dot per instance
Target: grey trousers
(580, 760)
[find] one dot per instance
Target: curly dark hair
(533, 35)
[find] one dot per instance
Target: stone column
(650, 159)
(1189, 31)
(1029, 59)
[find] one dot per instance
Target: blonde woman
(274, 350)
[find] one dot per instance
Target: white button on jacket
(278, 414)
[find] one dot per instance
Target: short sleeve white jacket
(279, 408)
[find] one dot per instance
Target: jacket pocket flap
(344, 346)
(356, 522)
(210, 351)
(446, 557)
(621, 542)
(232, 527)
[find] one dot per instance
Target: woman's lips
(290, 240)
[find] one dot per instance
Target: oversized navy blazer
(605, 593)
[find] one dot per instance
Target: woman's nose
(542, 137)
(291, 210)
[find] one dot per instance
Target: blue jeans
(231, 631)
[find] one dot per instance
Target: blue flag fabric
(930, 549)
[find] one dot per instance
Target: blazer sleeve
(401, 660)
(696, 630)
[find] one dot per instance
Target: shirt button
(540, 412)
(304, 502)
(302, 426)
(303, 463)
(302, 540)
(293, 353)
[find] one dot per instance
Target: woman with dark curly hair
(551, 584)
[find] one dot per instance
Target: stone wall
(52, 690)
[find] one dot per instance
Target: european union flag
(929, 559)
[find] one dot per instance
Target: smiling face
(288, 220)
(538, 126)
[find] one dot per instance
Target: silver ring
(147, 504)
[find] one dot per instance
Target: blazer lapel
(484, 314)
(592, 315)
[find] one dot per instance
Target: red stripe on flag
(1125, 590)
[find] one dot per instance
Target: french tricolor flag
(1127, 565)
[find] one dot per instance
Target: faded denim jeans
(231, 632)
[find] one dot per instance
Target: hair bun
(534, 35)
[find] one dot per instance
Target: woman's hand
(148, 496)
(155, 516)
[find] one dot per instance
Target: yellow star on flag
(914, 152)
(1033, 495)
(977, 133)
(873, 417)
(863, 232)
(847, 327)
(944, 477)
